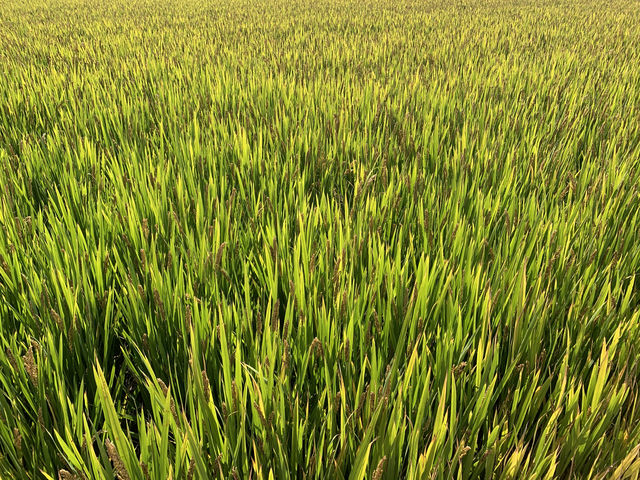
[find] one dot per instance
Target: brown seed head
(234, 393)
(145, 228)
(56, 318)
(66, 475)
(188, 317)
(116, 461)
(11, 358)
(192, 465)
(275, 316)
(4, 264)
(234, 473)
(163, 386)
(159, 304)
(316, 348)
(219, 254)
(145, 471)
(30, 366)
(17, 440)
(377, 474)
(206, 384)
(259, 323)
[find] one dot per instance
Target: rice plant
(335, 239)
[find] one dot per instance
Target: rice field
(329, 239)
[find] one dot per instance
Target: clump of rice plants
(332, 239)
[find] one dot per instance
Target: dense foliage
(329, 239)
